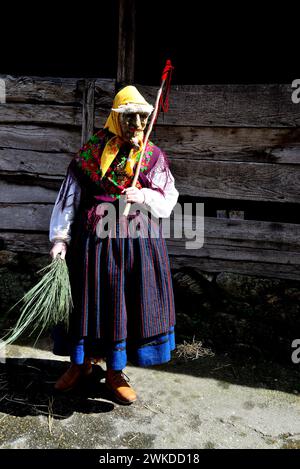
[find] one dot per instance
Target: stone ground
(208, 402)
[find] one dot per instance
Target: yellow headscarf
(127, 95)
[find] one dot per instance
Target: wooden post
(126, 44)
(88, 112)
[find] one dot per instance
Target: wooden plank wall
(224, 141)
(42, 125)
(236, 142)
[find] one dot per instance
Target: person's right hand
(58, 248)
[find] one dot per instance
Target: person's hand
(133, 194)
(58, 248)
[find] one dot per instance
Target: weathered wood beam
(261, 105)
(53, 90)
(48, 114)
(204, 178)
(235, 253)
(249, 233)
(38, 138)
(14, 162)
(265, 145)
(261, 269)
(25, 242)
(237, 180)
(39, 243)
(126, 43)
(267, 262)
(31, 89)
(88, 111)
(218, 231)
(17, 113)
(33, 217)
(25, 194)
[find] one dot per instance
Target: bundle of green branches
(48, 303)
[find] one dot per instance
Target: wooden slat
(23, 162)
(30, 89)
(285, 236)
(39, 243)
(267, 105)
(237, 180)
(246, 233)
(263, 178)
(25, 242)
(38, 138)
(67, 91)
(243, 246)
(261, 269)
(250, 232)
(17, 113)
(33, 217)
(230, 105)
(234, 144)
(15, 193)
(239, 253)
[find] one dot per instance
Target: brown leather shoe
(73, 375)
(117, 383)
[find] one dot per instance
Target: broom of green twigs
(48, 303)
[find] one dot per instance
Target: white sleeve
(161, 205)
(62, 218)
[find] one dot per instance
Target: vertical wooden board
(88, 113)
(126, 42)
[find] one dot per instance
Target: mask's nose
(137, 122)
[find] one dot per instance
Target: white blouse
(160, 205)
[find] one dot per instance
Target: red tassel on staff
(166, 77)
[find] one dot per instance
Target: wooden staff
(168, 68)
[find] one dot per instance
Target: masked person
(123, 303)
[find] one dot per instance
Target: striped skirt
(122, 293)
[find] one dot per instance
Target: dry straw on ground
(193, 350)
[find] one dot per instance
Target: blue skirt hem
(153, 351)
